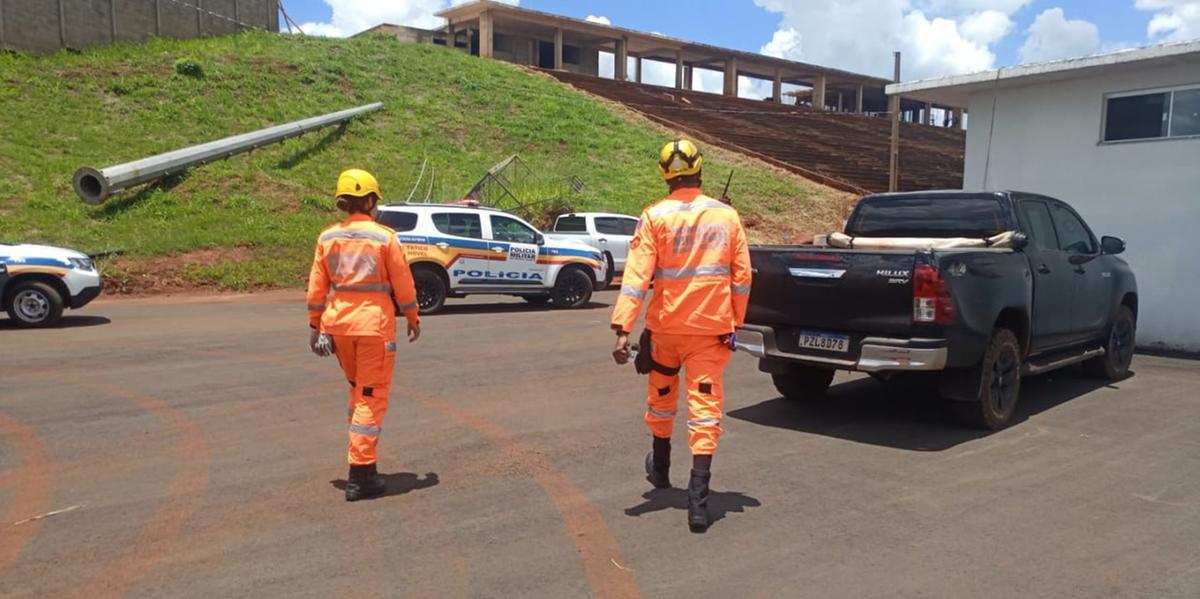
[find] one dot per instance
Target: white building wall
(1045, 138)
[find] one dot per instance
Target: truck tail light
(931, 297)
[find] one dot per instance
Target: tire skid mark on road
(35, 484)
(593, 540)
(157, 536)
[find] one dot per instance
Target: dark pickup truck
(974, 320)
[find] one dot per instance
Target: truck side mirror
(1020, 241)
(1111, 245)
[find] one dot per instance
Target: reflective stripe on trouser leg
(662, 393)
(705, 371)
(662, 400)
(374, 379)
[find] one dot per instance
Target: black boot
(364, 482)
(698, 518)
(658, 464)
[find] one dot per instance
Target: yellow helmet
(680, 158)
(357, 183)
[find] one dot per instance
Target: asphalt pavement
(194, 448)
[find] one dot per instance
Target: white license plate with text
(824, 341)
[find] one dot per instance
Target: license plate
(825, 341)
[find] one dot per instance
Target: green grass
(462, 114)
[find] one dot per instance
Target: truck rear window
(570, 224)
(928, 217)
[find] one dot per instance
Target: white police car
(459, 250)
(37, 282)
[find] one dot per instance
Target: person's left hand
(314, 336)
(621, 349)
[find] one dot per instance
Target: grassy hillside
(249, 221)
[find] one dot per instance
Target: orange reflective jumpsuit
(694, 248)
(358, 268)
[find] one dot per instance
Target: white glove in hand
(324, 347)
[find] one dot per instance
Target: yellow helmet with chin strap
(357, 183)
(680, 158)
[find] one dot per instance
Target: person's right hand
(621, 349)
(414, 332)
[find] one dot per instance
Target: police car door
(515, 253)
(461, 238)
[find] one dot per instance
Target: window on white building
(1152, 114)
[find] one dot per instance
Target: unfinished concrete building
(538, 39)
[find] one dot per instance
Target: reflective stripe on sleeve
(410, 306)
(316, 307)
(360, 429)
(371, 235)
(704, 422)
(661, 413)
(741, 289)
(633, 292)
(688, 273)
(385, 287)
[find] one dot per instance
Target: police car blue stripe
(18, 261)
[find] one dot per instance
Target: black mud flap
(770, 366)
(962, 384)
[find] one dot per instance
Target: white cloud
(1053, 36)
(936, 37)
(987, 27)
(599, 19)
(353, 16)
(1173, 20)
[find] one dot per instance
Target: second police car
(457, 250)
(37, 282)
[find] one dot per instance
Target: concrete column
(62, 25)
(621, 60)
(558, 49)
(777, 87)
(818, 92)
(858, 102)
(112, 20)
(1, 24)
(533, 53)
(679, 69)
(638, 69)
(958, 118)
(237, 16)
(928, 113)
(841, 103)
(199, 18)
(486, 34)
(731, 77)
(687, 77)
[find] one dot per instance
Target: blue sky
(939, 37)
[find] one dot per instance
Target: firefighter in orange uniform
(358, 280)
(694, 249)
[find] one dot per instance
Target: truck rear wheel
(1114, 365)
(1000, 385)
(803, 383)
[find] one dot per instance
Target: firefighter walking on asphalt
(359, 281)
(694, 249)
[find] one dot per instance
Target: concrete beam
(731, 77)
(818, 92)
(621, 60)
(558, 49)
(486, 34)
(679, 68)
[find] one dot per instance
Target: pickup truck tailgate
(852, 292)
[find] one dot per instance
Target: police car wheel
(573, 289)
(431, 290)
(34, 304)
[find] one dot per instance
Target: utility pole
(894, 110)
